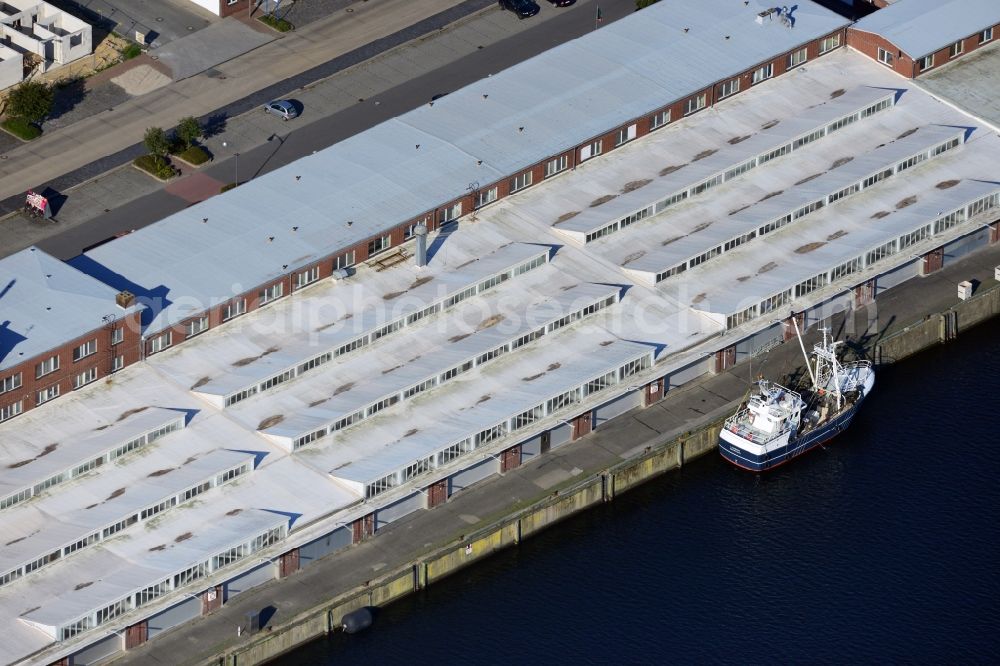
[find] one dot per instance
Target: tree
(189, 130)
(30, 101)
(156, 142)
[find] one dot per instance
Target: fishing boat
(777, 424)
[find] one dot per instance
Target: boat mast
(802, 346)
(828, 353)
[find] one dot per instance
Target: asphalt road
(292, 143)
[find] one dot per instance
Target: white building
(283, 433)
(29, 27)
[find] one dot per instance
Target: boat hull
(793, 449)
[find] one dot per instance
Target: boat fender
(356, 620)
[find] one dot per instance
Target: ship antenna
(798, 334)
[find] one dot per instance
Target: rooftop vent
(766, 15)
(420, 231)
(124, 299)
(783, 13)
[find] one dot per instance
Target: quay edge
(595, 488)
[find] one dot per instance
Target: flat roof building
(312, 423)
(335, 402)
(915, 36)
(59, 330)
(47, 36)
(612, 86)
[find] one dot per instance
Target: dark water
(883, 547)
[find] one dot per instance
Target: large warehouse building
(328, 384)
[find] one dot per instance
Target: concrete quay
(500, 511)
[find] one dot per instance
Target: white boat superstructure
(778, 423)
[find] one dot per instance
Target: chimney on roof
(420, 231)
(124, 299)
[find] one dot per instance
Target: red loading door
(510, 459)
(933, 261)
(136, 635)
(289, 563)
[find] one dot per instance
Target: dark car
(523, 8)
(561, 3)
(281, 108)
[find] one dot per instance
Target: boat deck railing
(853, 372)
(738, 424)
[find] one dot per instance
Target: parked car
(281, 108)
(561, 3)
(523, 8)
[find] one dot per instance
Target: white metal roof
(836, 236)
(406, 166)
(32, 461)
(694, 240)
(365, 304)
(69, 516)
(921, 27)
(497, 394)
(44, 303)
(124, 566)
(664, 319)
(431, 361)
(693, 169)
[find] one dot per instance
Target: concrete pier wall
(940, 327)
(595, 488)
(560, 506)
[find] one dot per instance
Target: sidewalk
(35, 164)
(681, 410)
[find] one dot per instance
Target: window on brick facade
(625, 134)
(484, 197)
(411, 229)
(196, 326)
(884, 57)
(10, 411)
(85, 350)
(118, 363)
(84, 378)
(378, 245)
(552, 167)
(796, 58)
(659, 119)
(268, 294)
(986, 35)
(829, 44)
(306, 277)
(955, 49)
(694, 104)
(10, 383)
(520, 181)
(234, 309)
(451, 213)
(762, 73)
(926, 62)
(46, 366)
(344, 260)
(117, 336)
(592, 150)
(728, 88)
(160, 342)
(45, 395)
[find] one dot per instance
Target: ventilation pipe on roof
(420, 231)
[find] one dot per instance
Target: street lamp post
(237, 156)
